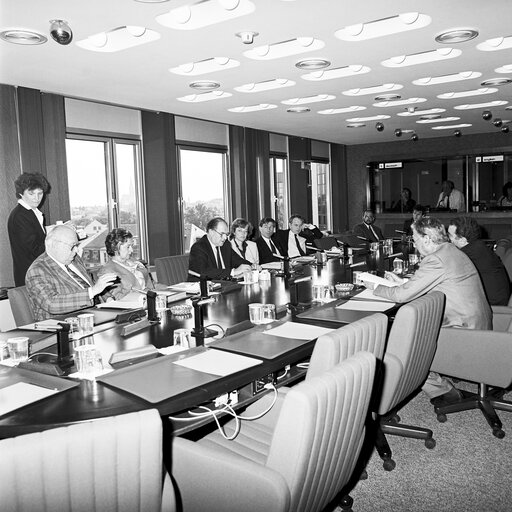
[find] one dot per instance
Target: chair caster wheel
(346, 503)
(389, 464)
(430, 443)
(395, 419)
(441, 418)
(498, 432)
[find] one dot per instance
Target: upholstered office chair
(484, 357)
(296, 458)
(105, 465)
(20, 306)
(172, 269)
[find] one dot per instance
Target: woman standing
(26, 224)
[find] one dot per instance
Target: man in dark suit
(269, 249)
(417, 214)
(57, 282)
(367, 228)
(464, 233)
(210, 256)
(293, 240)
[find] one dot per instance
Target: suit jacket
(52, 291)
(266, 255)
(363, 231)
(282, 237)
(450, 271)
(128, 279)
(27, 240)
(203, 261)
(492, 272)
(251, 252)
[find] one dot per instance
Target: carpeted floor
(468, 470)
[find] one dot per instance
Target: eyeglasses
(221, 234)
(71, 247)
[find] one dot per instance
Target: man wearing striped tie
(58, 282)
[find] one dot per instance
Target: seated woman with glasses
(132, 273)
(246, 249)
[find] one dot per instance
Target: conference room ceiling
(178, 35)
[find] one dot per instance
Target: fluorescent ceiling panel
(451, 126)
(397, 103)
(438, 120)
(456, 77)
(401, 61)
(309, 99)
(346, 110)
(252, 108)
(285, 48)
(507, 68)
(470, 106)
(422, 112)
(206, 96)
(364, 119)
(465, 94)
(117, 39)
(495, 44)
(204, 13)
(329, 74)
(266, 85)
(383, 27)
(202, 67)
(373, 90)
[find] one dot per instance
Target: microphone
(145, 265)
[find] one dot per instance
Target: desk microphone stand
(151, 300)
(199, 331)
(294, 305)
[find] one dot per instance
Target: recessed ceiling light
(351, 70)
(22, 36)
(456, 35)
(507, 68)
(201, 67)
(422, 112)
(438, 119)
(298, 110)
(364, 119)
(387, 97)
(309, 99)
(204, 85)
(345, 110)
(413, 59)
(285, 48)
(495, 44)
(205, 96)
(471, 106)
(309, 64)
(119, 38)
(465, 94)
(265, 85)
(430, 116)
(408, 101)
(497, 81)
(452, 126)
(252, 108)
(455, 77)
(356, 125)
(373, 90)
(406, 130)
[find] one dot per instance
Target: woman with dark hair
(26, 224)
(133, 273)
(506, 198)
(247, 250)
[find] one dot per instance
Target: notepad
(20, 394)
(298, 331)
(217, 362)
(369, 295)
(371, 278)
(366, 305)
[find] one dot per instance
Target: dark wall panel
(339, 198)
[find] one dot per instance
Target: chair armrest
(393, 370)
(501, 318)
(216, 479)
(474, 355)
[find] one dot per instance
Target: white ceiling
(140, 77)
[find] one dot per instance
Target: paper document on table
(273, 265)
(42, 325)
(132, 300)
(217, 362)
(298, 331)
(362, 305)
(367, 294)
(17, 395)
(372, 278)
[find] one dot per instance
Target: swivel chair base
(486, 400)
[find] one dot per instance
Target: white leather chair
(106, 465)
(296, 458)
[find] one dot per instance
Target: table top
(94, 399)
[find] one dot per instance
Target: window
(105, 191)
(279, 191)
(320, 195)
(202, 190)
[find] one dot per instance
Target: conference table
(89, 399)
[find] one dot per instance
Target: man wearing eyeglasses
(210, 256)
(58, 282)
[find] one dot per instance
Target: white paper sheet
(298, 331)
(218, 362)
(362, 305)
(368, 295)
(371, 278)
(132, 300)
(43, 325)
(17, 395)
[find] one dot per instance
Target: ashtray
(181, 309)
(344, 287)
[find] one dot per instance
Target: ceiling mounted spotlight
(457, 35)
(310, 64)
(204, 85)
(496, 81)
(388, 97)
(486, 115)
(61, 32)
(398, 132)
(414, 137)
(497, 122)
(411, 110)
(504, 129)
(247, 36)
(379, 127)
(457, 133)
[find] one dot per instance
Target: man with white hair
(58, 282)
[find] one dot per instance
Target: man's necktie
(77, 277)
(448, 202)
(272, 247)
(301, 252)
(219, 260)
(374, 234)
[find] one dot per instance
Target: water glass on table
(256, 313)
(86, 324)
(181, 338)
(18, 349)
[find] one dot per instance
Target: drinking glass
(88, 360)
(181, 338)
(269, 313)
(256, 313)
(85, 324)
(18, 349)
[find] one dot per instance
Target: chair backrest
(20, 306)
(319, 433)
(325, 243)
(410, 348)
(507, 262)
(348, 238)
(367, 334)
(502, 246)
(111, 464)
(172, 269)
